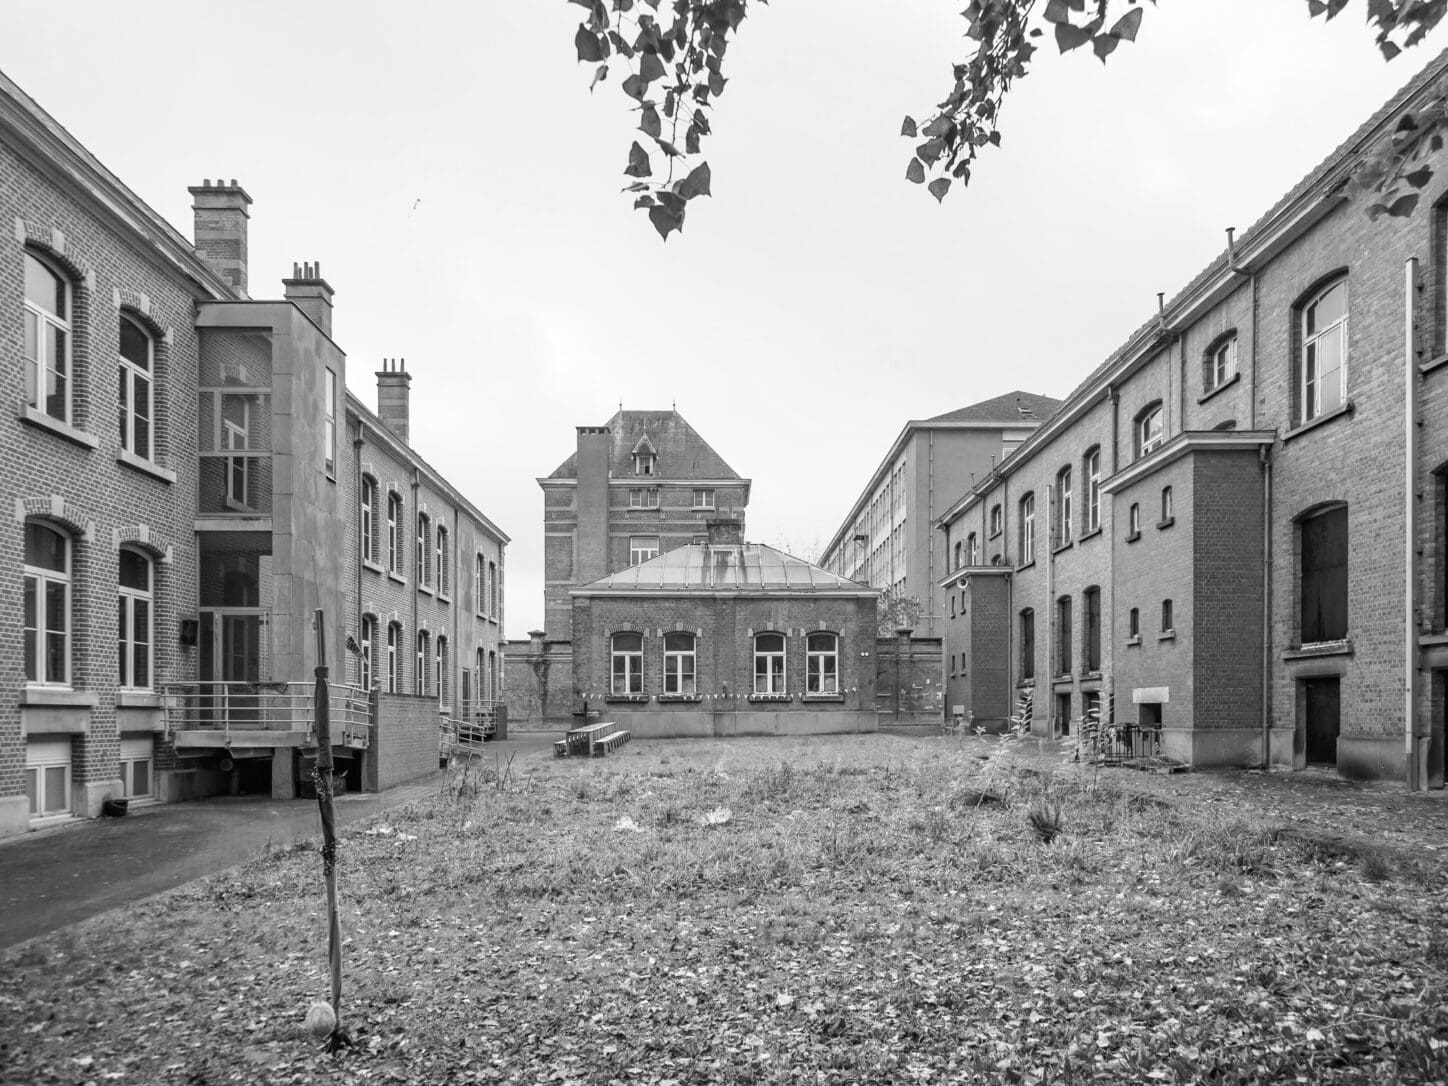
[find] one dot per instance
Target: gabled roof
(726, 567)
(682, 453)
(1010, 408)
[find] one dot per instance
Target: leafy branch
(675, 63)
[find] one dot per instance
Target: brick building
(183, 465)
(643, 483)
(724, 638)
(886, 539)
(1234, 529)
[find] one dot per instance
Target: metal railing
(1119, 742)
(270, 707)
(469, 724)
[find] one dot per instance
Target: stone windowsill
(824, 697)
(1132, 537)
(1166, 635)
(1228, 383)
(678, 699)
(1164, 524)
(139, 699)
(1433, 640)
(1090, 672)
(1025, 566)
(626, 699)
(444, 597)
(393, 575)
(62, 696)
(1133, 640)
(1433, 363)
(56, 426)
(1063, 678)
(367, 563)
(145, 467)
(1315, 649)
(1092, 534)
(427, 588)
(1302, 428)
(1066, 546)
(1027, 683)
(777, 698)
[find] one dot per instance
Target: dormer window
(645, 459)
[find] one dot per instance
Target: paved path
(57, 877)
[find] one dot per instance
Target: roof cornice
(1189, 441)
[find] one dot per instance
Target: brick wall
(540, 682)
(909, 684)
(405, 742)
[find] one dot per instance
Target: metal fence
(269, 707)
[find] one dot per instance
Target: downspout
(358, 444)
(455, 688)
(417, 680)
(1414, 749)
(1264, 456)
(1051, 673)
(932, 624)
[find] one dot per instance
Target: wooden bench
(581, 740)
(609, 743)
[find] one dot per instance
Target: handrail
(239, 707)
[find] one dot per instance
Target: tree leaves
(638, 162)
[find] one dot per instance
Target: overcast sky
(816, 303)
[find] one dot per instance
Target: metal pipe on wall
(1414, 750)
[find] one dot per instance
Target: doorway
(1322, 707)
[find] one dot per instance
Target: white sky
(810, 308)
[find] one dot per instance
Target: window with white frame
(492, 589)
(47, 776)
(46, 640)
(703, 499)
(134, 621)
(137, 754)
(1028, 530)
(329, 423)
(369, 519)
(645, 462)
(394, 647)
(1092, 466)
(444, 563)
(47, 338)
(769, 663)
(419, 677)
(480, 584)
(995, 520)
(627, 664)
(1064, 526)
(1133, 521)
(1166, 506)
(394, 531)
(822, 663)
(643, 497)
(137, 367)
(364, 656)
(424, 549)
(1148, 430)
(679, 664)
(1219, 365)
(441, 685)
(972, 550)
(641, 548)
(1322, 369)
(236, 437)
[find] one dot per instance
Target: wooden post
(322, 775)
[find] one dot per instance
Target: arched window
(1322, 365)
(1028, 643)
(1148, 430)
(1133, 623)
(424, 549)
(627, 671)
(1063, 635)
(1219, 363)
(394, 531)
(1133, 521)
(47, 605)
(959, 554)
(368, 636)
(1166, 506)
(369, 519)
(47, 338)
(1027, 531)
(972, 550)
(679, 664)
(769, 663)
(137, 369)
(442, 686)
(444, 562)
(1064, 525)
(1091, 468)
(136, 602)
(995, 520)
(419, 677)
(394, 646)
(822, 663)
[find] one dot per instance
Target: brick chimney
(726, 531)
(591, 563)
(221, 228)
(394, 385)
(311, 294)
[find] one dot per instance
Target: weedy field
(852, 910)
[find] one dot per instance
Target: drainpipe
(1414, 749)
(1051, 665)
(358, 444)
(416, 581)
(1264, 456)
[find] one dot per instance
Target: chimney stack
(726, 532)
(221, 228)
(311, 294)
(393, 389)
(591, 559)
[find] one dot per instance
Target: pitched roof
(1012, 407)
(727, 567)
(682, 453)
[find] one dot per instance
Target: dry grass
(841, 910)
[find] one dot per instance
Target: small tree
(897, 611)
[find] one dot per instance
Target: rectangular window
(641, 548)
(679, 661)
(46, 607)
(394, 532)
(769, 663)
(1091, 601)
(1324, 576)
(1220, 365)
(703, 499)
(1322, 383)
(627, 670)
(134, 620)
(136, 755)
(47, 339)
(1063, 635)
(47, 777)
(1166, 617)
(1093, 490)
(1028, 530)
(1028, 644)
(329, 425)
(643, 498)
(822, 664)
(444, 582)
(134, 403)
